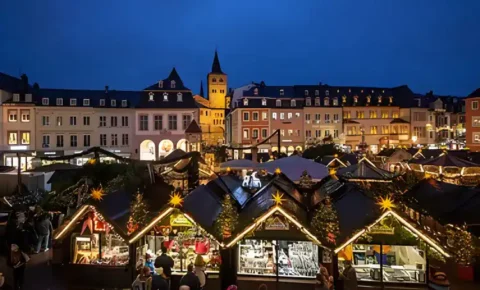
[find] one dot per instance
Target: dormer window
(102, 102)
(173, 84)
(28, 98)
(344, 99)
(255, 91)
(151, 96)
(113, 103)
(214, 80)
(45, 101)
(335, 101)
(59, 102)
(86, 102)
(306, 92)
(379, 99)
(73, 102)
(391, 100)
(179, 97)
(264, 102)
(124, 103)
(293, 103)
(165, 97)
(245, 102)
(278, 103)
(327, 93)
(160, 84)
(317, 101)
(16, 98)
(282, 92)
(355, 99)
(308, 101)
(369, 99)
(317, 93)
(220, 80)
(326, 102)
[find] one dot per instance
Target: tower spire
(201, 88)
(216, 64)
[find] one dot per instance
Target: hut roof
(446, 160)
(364, 169)
(294, 166)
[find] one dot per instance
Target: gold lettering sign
(276, 223)
(382, 230)
(179, 220)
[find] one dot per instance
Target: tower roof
(167, 84)
(216, 69)
(193, 128)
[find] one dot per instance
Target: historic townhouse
(163, 113)
(214, 107)
(472, 118)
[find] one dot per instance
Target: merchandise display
(99, 249)
(404, 264)
(295, 258)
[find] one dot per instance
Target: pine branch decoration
(227, 220)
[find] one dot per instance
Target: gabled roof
(363, 170)
(474, 94)
(193, 127)
(167, 83)
(239, 164)
(216, 69)
(166, 100)
(445, 160)
(10, 84)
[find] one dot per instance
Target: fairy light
(151, 224)
(79, 213)
(202, 229)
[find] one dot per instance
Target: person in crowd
(143, 281)
(149, 263)
(349, 276)
(190, 279)
(43, 227)
(17, 260)
(159, 281)
(199, 270)
(166, 262)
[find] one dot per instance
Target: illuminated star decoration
(386, 203)
(97, 193)
(175, 199)
(91, 161)
(278, 171)
(278, 198)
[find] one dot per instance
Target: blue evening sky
(130, 44)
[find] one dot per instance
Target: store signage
(276, 223)
(252, 181)
(18, 147)
(179, 221)
(382, 230)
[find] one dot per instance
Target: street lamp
(414, 139)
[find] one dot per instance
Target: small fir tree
(461, 243)
(325, 222)
(138, 213)
(227, 220)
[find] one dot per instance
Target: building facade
(472, 121)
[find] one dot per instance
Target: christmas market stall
(448, 168)
(184, 239)
(365, 171)
(294, 166)
(393, 160)
(337, 161)
(384, 246)
(92, 244)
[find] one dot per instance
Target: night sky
(130, 44)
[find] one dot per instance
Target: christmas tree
(227, 220)
(139, 213)
(461, 243)
(325, 222)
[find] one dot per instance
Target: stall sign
(382, 230)
(179, 221)
(276, 223)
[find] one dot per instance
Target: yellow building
(213, 108)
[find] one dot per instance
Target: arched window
(172, 84)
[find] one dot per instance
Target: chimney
(25, 83)
(106, 89)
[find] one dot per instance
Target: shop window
(98, 244)
(295, 258)
(184, 242)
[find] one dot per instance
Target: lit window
(278, 103)
(172, 84)
(73, 102)
(12, 138)
(308, 101)
(245, 133)
(86, 102)
(165, 97)
(293, 103)
(264, 116)
(179, 97)
(245, 102)
(290, 115)
(25, 138)
(476, 138)
(274, 116)
(150, 96)
(45, 101)
(317, 102)
(326, 102)
(264, 102)
(59, 102)
(335, 101)
(124, 103)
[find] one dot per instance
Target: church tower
(217, 85)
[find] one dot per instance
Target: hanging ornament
(175, 200)
(278, 198)
(88, 222)
(97, 193)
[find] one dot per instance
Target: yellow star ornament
(278, 198)
(386, 203)
(175, 200)
(97, 193)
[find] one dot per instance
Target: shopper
(149, 263)
(143, 281)
(349, 276)
(159, 281)
(165, 262)
(18, 261)
(190, 279)
(199, 270)
(43, 228)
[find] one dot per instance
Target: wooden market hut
(294, 166)
(339, 160)
(365, 171)
(393, 160)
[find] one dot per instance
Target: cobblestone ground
(40, 275)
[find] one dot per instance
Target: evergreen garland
(227, 220)
(325, 222)
(461, 243)
(139, 213)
